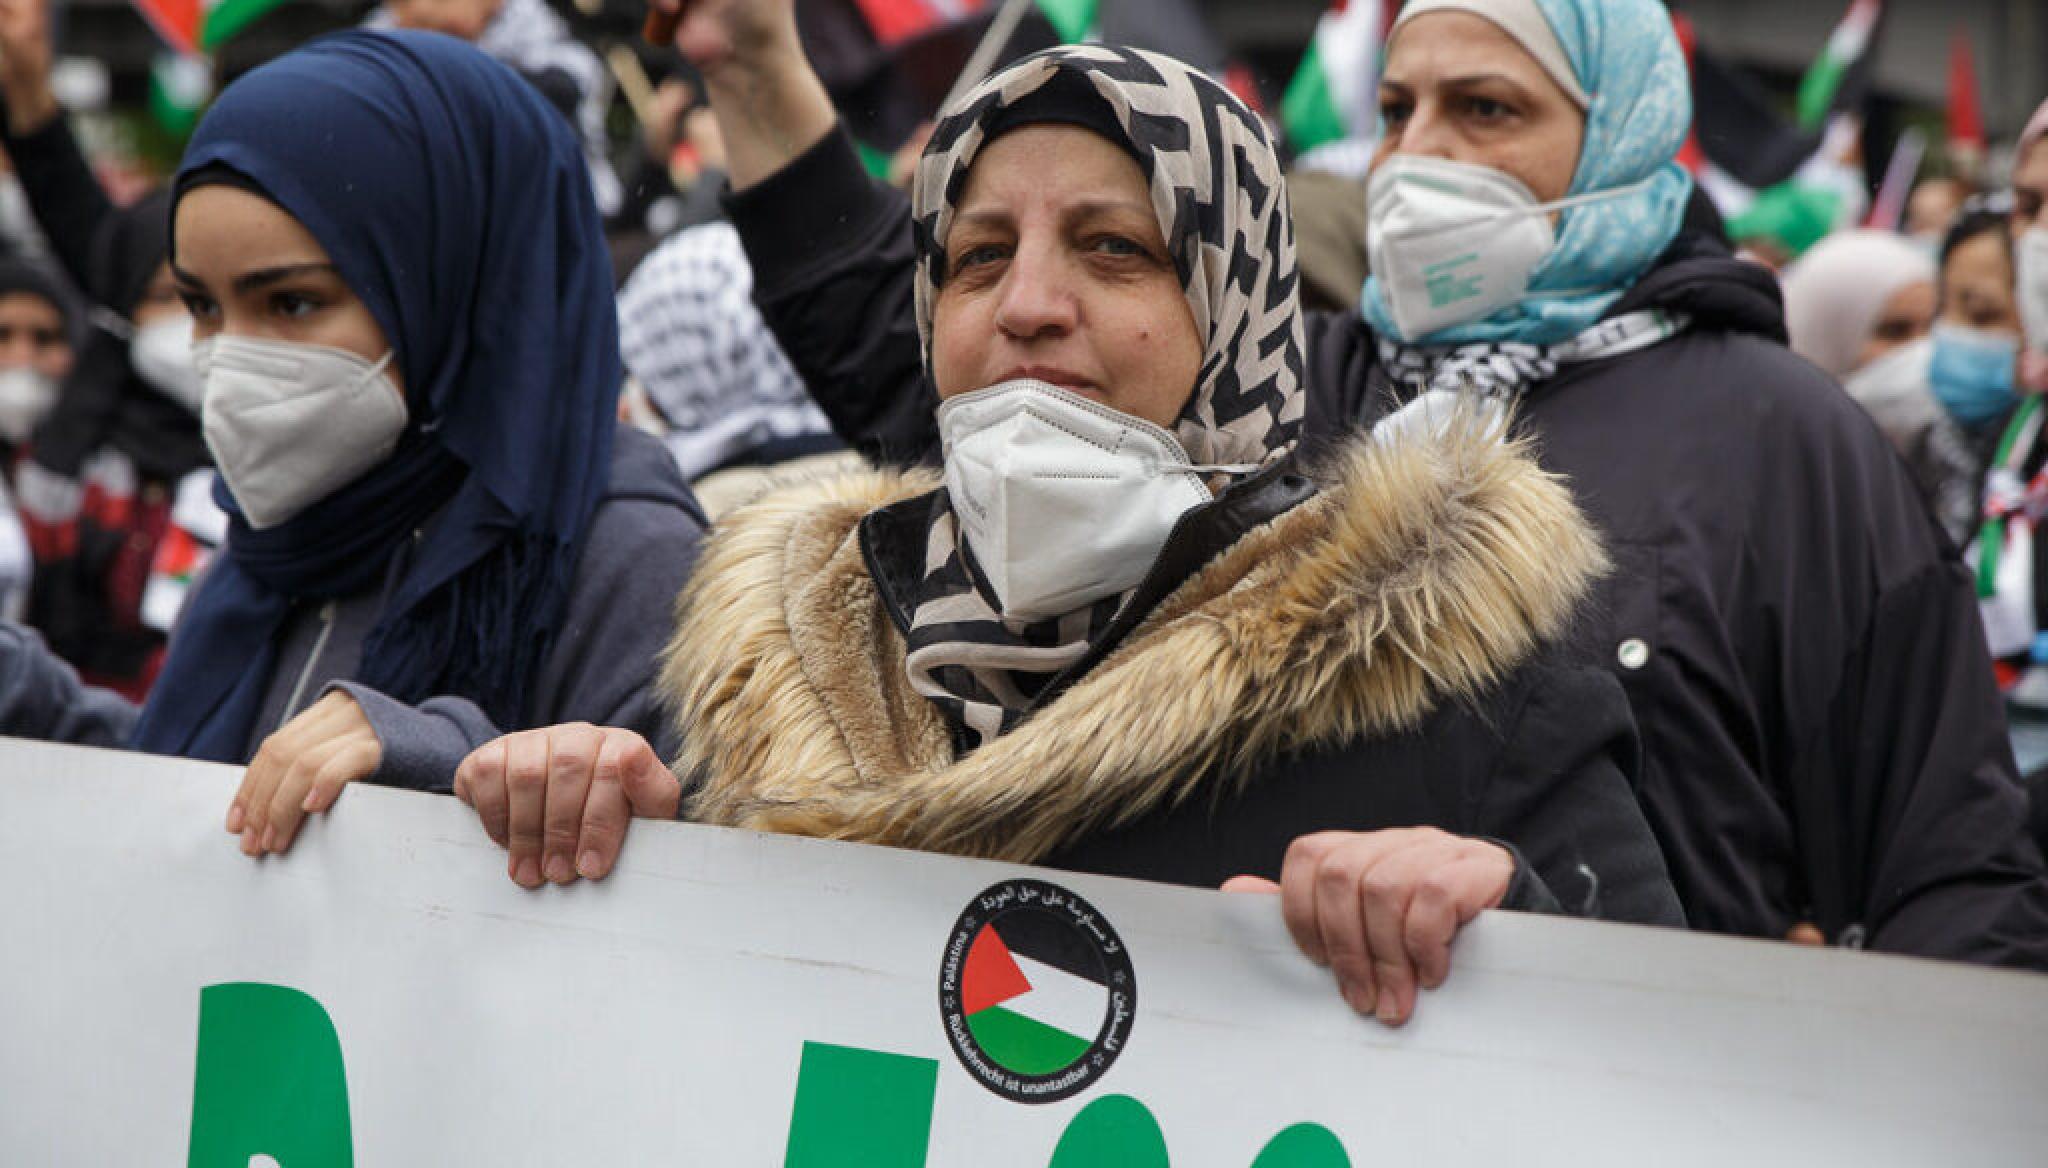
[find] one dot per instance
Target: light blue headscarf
(1626, 56)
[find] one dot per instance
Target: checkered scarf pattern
(690, 333)
(1505, 368)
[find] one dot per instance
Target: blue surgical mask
(1973, 372)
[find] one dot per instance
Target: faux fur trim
(1429, 566)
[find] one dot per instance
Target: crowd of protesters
(1021, 490)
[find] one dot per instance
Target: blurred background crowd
(1884, 157)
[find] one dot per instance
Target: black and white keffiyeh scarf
(691, 334)
(1505, 368)
(1222, 208)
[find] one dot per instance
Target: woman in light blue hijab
(1795, 635)
(1620, 68)
(1508, 216)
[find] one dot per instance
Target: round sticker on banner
(1036, 992)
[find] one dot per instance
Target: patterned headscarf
(1626, 55)
(1222, 207)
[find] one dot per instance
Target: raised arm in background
(68, 202)
(830, 246)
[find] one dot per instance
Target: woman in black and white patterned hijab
(1024, 193)
(1125, 631)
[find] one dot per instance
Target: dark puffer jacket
(1353, 676)
(1799, 644)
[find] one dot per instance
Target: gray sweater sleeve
(603, 665)
(41, 696)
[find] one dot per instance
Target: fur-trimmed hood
(1433, 562)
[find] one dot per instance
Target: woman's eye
(292, 305)
(986, 253)
(1118, 245)
(201, 307)
(1393, 113)
(1486, 109)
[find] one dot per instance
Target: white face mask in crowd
(2030, 285)
(1901, 373)
(291, 423)
(26, 394)
(161, 353)
(1452, 242)
(1063, 500)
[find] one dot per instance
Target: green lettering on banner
(860, 1109)
(270, 1087)
(1115, 1131)
(1305, 1145)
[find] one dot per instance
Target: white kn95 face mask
(1452, 242)
(291, 423)
(1063, 500)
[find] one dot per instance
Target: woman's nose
(1037, 297)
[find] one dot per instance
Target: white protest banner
(384, 996)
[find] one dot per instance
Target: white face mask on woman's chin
(1063, 500)
(291, 423)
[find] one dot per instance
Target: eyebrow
(1481, 79)
(1461, 81)
(262, 277)
(1085, 207)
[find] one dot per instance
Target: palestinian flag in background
(1966, 144)
(1843, 65)
(1788, 180)
(1335, 91)
(896, 21)
(1032, 994)
(887, 64)
(190, 26)
(179, 88)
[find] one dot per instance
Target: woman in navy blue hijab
(405, 321)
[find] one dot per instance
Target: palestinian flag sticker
(1036, 991)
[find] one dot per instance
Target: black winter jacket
(1351, 677)
(1799, 644)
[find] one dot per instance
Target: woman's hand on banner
(1380, 908)
(558, 799)
(300, 769)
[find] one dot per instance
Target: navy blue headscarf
(455, 202)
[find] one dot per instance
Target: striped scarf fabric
(1221, 203)
(961, 654)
